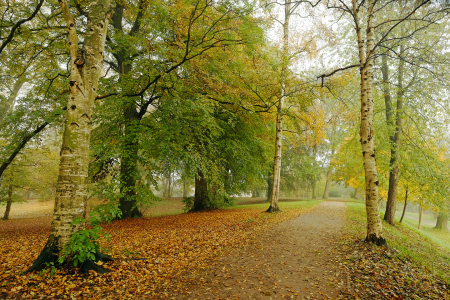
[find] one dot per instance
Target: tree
(30, 57)
(85, 71)
(145, 70)
(12, 25)
(12, 181)
(442, 221)
(366, 54)
(413, 65)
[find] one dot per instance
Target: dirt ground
(297, 259)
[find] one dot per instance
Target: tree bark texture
(201, 197)
(275, 192)
(391, 203)
(129, 166)
(85, 70)
(404, 207)
(442, 221)
(269, 185)
(8, 203)
(374, 226)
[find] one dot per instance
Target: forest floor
(297, 258)
(313, 250)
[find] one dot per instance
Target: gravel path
(295, 259)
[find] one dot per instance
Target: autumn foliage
(154, 257)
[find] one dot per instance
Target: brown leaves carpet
(294, 259)
(155, 258)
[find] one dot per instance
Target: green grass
(416, 215)
(427, 248)
(441, 237)
(283, 205)
(164, 207)
(174, 206)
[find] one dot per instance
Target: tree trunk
(85, 70)
(8, 203)
(128, 168)
(313, 189)
(184, 189)
(327, 184)
(269, 185)
(404, 207)
(6, 104)
(420, 216)
(279, 126)
(275, 190)
(169, 187)
(374, 226)
(201, 198)
(391, 203)
(441, 223)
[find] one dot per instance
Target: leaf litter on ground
(393, 272)
(376, 272)
(154, 257)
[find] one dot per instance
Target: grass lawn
(427, 248)
(416, 215)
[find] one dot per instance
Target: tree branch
(335, 71)
(15, 27)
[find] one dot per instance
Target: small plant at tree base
(83, 244)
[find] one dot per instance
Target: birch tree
(276, 179)
(426, 65)
(370, 11)
(85, 70)
(289, 8)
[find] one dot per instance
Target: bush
(84, 244)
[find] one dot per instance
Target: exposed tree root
(379, 241)
(91, 265)
(272, 209)
(49, 257)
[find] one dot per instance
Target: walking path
(297, 258)
(424, 221)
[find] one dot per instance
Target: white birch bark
(279, 125)
(85, 71)
(374, 226)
